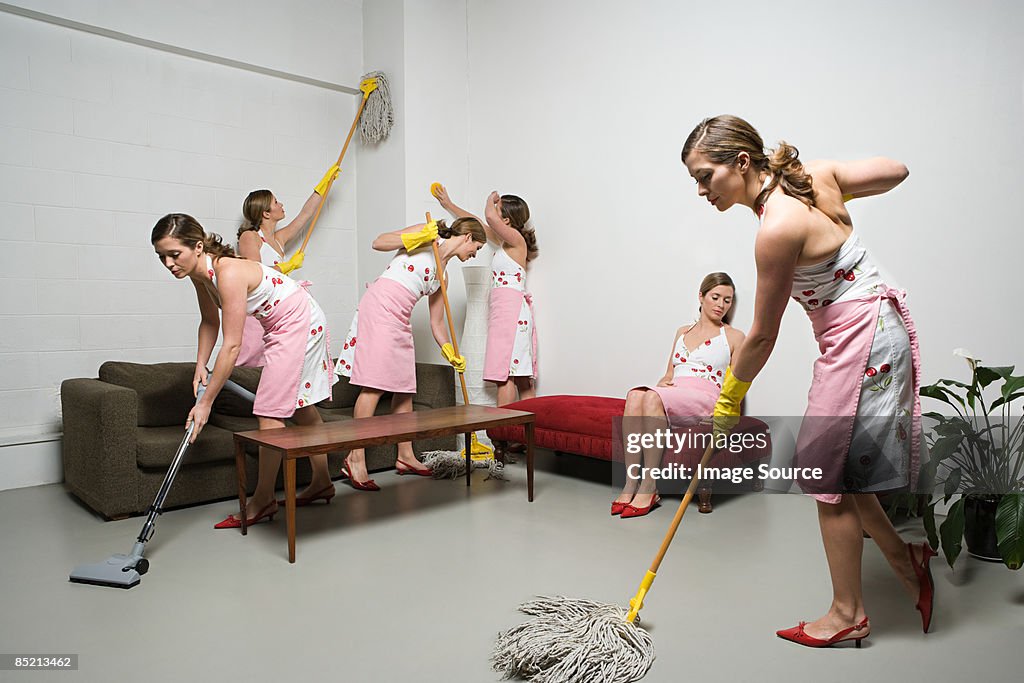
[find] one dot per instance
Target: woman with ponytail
(296, 373)
(510, 361)
(861, 429)
(260, 240)
(378, 354)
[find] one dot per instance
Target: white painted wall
(582, 107)
(99, 138)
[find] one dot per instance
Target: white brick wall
(98, 139)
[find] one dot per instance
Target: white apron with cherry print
(251, 353)
(696, 380)
(511, 333)
(296, 371)
(378, 352)
(862, 424)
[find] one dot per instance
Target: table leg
(529, 460)
(289, 505)
(469, 456)
(240, 472)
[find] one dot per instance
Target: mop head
(378, 114)
(573, 640)
(452, 465)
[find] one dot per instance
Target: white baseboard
(31, 464)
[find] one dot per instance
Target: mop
(125, 571)
(450, 464)
(373, 128)
(581, 640)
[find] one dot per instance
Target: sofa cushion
(158, 445)
(164, 390)
(230, 403)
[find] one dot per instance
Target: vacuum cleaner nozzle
(119, 571)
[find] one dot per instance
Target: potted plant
(978, 452)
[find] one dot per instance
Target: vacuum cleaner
(125, 571)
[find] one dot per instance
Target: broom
(449, 464)
(585, 641)
(380, 116)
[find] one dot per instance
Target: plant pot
(980, 528)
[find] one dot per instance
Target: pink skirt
(506, 312)
(378, 351)
(688, 401)
(296, 371)
(251, 353)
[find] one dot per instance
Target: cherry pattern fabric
(707, 361)
(297, 371)
(863, 330)
(511, 333)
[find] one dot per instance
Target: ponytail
(466, 225)
(788, 173)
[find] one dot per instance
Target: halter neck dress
(511, 332)
(296, 370)
(378, 352)
(862, 423)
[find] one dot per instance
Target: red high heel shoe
(233, 522)
(402, 468)
(368, 485)
(325, 494)
(799, 636)
(926, 595)
(617, 508)
(631, 510)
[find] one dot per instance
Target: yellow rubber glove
(332, 173)
(293, 263)
(727, 409)
(415, 240)
(458, 362)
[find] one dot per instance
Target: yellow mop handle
(448, 313)
(367, 86)
(637, 603)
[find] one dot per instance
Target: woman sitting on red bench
(689, 389)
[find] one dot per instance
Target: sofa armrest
(435, 385)
(100, 444)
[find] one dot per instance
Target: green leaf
(952, 383)
(940, 394)
(1011, 385)
(952, 483)
(1010, 529)
(1006, 399)
(929, 526)
(945, 447)
(985, 375)
(951, 532)
(1004, 371)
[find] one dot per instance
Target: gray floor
(413, 583)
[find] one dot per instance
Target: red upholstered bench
(585, 425)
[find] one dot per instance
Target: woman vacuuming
(296, 371)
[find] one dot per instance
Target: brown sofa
(122, 429)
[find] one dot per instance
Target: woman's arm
(288, 232)
(438, 323)
(232, 288)
(497, 225)
(390, 241)
(441, 195)
(666, 379)
(776, 251)
(249, 244)
(209, 329)
(735, 338)
(865, 177)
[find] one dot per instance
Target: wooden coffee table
(304, 441)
